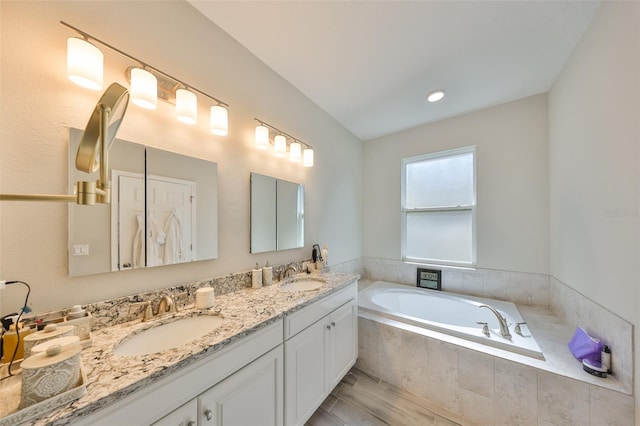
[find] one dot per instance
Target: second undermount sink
(302, 285)
(167, 336)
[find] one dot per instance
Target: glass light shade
(186, 106)
(280, 146)
(219, 120)
(144, 88)
(262, 137)
(295, 152)
(307, 157)
(84, 63)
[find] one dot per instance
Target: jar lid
(49, 332)
(62, 341)
(53, 355)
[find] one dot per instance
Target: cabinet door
(305, 372)
(183, 416)
(343, 342)
(253, 396)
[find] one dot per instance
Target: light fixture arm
(96, 138)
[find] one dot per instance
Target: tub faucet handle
(517, 329)
(485, 327)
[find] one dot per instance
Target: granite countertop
(111, 377)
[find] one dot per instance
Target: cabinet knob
(191, 423)
(208, 414)
(333, 324)
(328, 327)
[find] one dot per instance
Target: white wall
(594, 119)
(593, 151)
(38, 105)
(512, 183)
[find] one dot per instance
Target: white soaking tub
(448, 313)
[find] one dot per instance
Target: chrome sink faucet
(288, 271)
(166, 305)
(504, 327)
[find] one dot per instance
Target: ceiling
(369, 64)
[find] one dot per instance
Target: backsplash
(117, 311)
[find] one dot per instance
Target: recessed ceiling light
(435, 96)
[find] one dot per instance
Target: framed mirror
(277, 214)
(163, 211)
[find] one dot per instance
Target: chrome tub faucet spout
(504, 327)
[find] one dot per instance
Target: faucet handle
(517, 328)
(485, 327)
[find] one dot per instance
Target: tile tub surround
(537, 290)
(245, 311)
(575, 310)
(518, 287)
(486, 388)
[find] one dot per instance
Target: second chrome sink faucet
(166, 306)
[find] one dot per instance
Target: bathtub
(449, 313)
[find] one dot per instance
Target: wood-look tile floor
(360, 399)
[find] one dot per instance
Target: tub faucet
(504, 327)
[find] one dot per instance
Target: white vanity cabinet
(250, 397)
(231, 371)
(183, 416)
(321, 345)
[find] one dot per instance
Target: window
(438, 208)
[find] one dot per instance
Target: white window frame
(472, 207)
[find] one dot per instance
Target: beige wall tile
(562, 401)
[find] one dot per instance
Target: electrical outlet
(80, 249)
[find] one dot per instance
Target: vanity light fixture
(295, 152)
(436, 95)
(186, 106)
(147, 83)
(84, 63)
(307, 157)
(144, 88)
(219, 120)
(262, 137)
(280, 144)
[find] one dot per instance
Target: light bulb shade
(280, 146)
(307, 157)
(186, 106)
(295, 152)
(219, 120)
(262, 137)
(84, 63)
(144, 88)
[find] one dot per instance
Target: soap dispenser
(267, 274)
(256, 277)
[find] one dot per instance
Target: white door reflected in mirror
(160, 202)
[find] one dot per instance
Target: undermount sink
(167, 336)
(302, 285)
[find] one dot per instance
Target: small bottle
(267, 274)
(605, 358)
(10, 341)
(256, 277)
(325, 254)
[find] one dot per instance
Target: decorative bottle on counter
(267, 274)
(256, 277)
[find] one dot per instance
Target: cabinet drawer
(298, 321)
